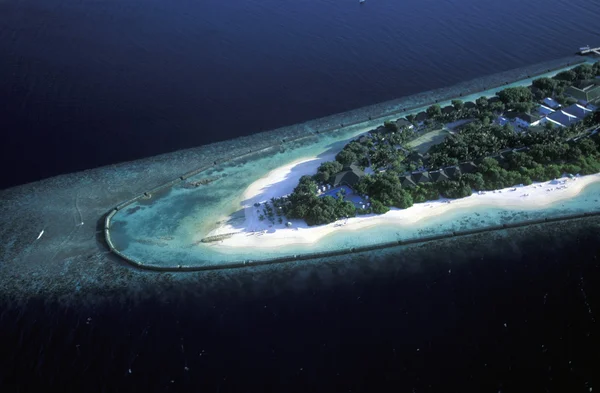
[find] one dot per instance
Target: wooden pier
(588, 51)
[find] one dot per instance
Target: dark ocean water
(89, 83)
(494, 316)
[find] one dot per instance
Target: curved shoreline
(511, 198)
(308, 133)
(341, 252)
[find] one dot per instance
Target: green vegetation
(390, 126)
(304, 203)
(515, 95)
(326, 172)
(547, 157)
(543, 155)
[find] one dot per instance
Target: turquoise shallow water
(165, 229)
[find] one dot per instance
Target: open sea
(88, 83)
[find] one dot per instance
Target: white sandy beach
(281, 181)
(275, 184)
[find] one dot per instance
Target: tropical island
(522, 135)
(417, 169)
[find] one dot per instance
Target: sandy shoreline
(253, 233)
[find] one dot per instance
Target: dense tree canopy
(546, 85)
(547, 159)
(327, 170)
(346, 157)
(474, 141)
(513, 95)
(596, 68)
(549, 153)
(482, 103)
(458, 104)
(390, 125)
(568, 75)
(434, 111)
(584, 71)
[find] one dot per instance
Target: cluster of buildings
(437, 176)
(352, 174)
(587, 94)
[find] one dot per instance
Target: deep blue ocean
(85, 83)
(88, 83)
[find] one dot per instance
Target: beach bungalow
(438, 176)
(379, 130)
(415, 157)
(577, 110)
(592, 107)
(407, 182)
(550, 103)
(500, 158)
(519, 119)
(562, 119)
(421, 117)
(544, 110)
(349, 176)
(403, 123)
(421, 178)
(453, 172)
(467, 167)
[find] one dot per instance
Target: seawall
(341, 252)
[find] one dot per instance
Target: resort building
(349, 176)
(421, 117)
(407, 182)
(507, 153)
(577, 110)
(550, 103)
(403, 123)
(585, 91)
(562, 119)
(453, 172)
(416, 157)
(543, 110)
(500, 159)
(468, 167)
(421, 177)
(519, 119)
(438, 176)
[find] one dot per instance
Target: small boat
(361, 1)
